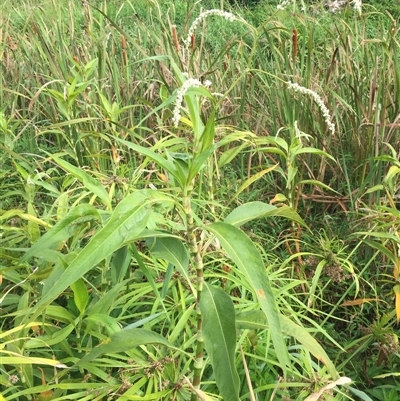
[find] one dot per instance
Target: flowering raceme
(357, 4)
(325, 112)
(201, 17)
(189, 83)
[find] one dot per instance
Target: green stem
(210, 185)
(198, 264)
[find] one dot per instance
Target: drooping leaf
(359, 301)
(173, 251)
(220, 339)
(360, 394)
(245, 255)
(316, 183)
(161, 161)
(255, 210)
(56, 337)
(25, 216)
(16, 329)
(105, 303)
(253, 179)
(64, 229)
(317, 395)
(257, 320)
(89, 182)
(16, 359)
(146, 272)
(123, 341)
(125, 225)
(227, 156)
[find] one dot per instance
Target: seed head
(201, 17)
(189, 83)
(325, 112)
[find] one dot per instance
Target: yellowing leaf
(340, 381)
(278, 198)
(252, 179)
(359, 301)
(396, 290)
(396, 269)
(162, 177)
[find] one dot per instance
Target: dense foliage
(199, 205)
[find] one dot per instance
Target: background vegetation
(125, 228)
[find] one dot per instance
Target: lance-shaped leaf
(89, 182)
(63, 230)
(256, 319)
(255, 210)
(125, 225)
(167, 165)
(245, 255)
(124, 341)
(16, 359)
(219, 334)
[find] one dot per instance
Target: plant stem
(198, 264)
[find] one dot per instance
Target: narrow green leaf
(22, 360)
(107, 300)
(89, 182)
(63, 230)
(125, 225)
(96, 320)
(207, 137)
(309, 150)
(245, 255)
(257, 320)
(124, 341)
(50, 339)
(360, 394)
(199, 162)
(161, 161)
(316, 183)
(377, 245)
(252, 179)
(167, 280)
(227, 156)
(220, 339)
(145, 271)
(255, 210)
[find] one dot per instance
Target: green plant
(115, 149)
(172, 222)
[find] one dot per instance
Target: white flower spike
(325, 112)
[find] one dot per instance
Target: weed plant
(198, 214)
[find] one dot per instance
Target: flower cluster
(357, 4)
(325, 112)
(189, 83)
(335, 6)
(283, 4)
(201, 17)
